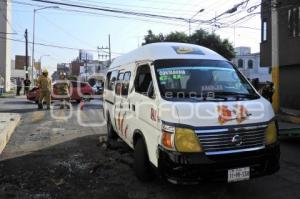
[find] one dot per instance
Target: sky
(59, 26)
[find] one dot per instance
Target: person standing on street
(268, 91)
(63, 88)
(27, 83)
(19, 85)
(44, 84)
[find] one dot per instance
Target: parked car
(98, 89)
(78, 91)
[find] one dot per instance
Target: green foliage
(200, 37)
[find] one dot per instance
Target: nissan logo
(237, 140)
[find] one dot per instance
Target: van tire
(111, 134)
(142, 165)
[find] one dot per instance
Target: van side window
(120, 76)
(112, 80)
(107, 80)
(143, 80)
(125, 84)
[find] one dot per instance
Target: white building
(249, 64)
(5, 44)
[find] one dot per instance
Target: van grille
(223, 141)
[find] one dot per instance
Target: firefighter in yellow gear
(44, 84)
(63, 87)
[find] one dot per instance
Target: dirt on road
(85, 168)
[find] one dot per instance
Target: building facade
(5, 44)
(94, 70)
(249, 64)
(63, 68)
(289, 47)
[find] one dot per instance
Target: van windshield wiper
(237, 95)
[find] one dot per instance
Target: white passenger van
(190, 114)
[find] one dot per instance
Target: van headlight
(187, 141)
(180, 139)
(271, 133)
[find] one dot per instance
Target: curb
(9, 122)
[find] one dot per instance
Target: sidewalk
(289, 122)
(8, 123)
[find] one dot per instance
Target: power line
(135, 6)
(48, 45)
(56, 46)
(113, 10)
(100, 14)
(65, 31)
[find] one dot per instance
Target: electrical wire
(135, 6)
(100, 14)
(113, 10)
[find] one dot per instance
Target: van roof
(166, 50)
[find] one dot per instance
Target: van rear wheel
(142, 165)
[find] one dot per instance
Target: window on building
(250, 64)
(264, 30)
(240, 63)
(294, 22)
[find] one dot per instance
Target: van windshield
(201, 79)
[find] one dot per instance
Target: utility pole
(275, 54)
(26, 49)
(104, 54)
(109, 46)
(190, 20)
(86, 67)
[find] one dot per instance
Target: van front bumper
(184, 168)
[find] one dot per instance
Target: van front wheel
(142, 166)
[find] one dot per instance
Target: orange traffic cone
(81, 105)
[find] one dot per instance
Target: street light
(193, 18)
(33, 31)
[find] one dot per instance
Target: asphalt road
(53, 157)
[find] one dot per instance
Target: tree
(200, 37)
(152, 38)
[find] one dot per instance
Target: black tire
(142, 165)
(111, 134)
